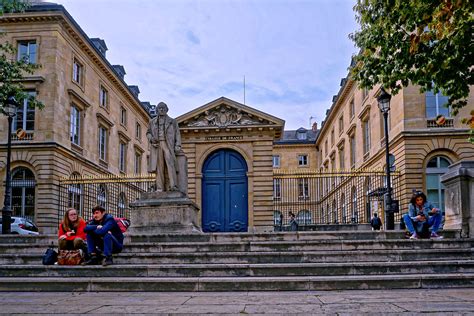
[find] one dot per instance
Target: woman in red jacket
(71, 231)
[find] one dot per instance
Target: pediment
(226, 113)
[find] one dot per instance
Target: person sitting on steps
(71, 235)
(421, 216)
(103, 234)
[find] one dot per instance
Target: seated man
(103, 234)
(421, 216)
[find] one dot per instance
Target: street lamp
(9, 109)
(384, 106)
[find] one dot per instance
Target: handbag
(50, 257)
(70, 257)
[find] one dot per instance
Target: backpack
(122, 223)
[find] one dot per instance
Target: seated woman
(422, 215)
(71, 231)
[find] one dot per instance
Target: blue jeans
(433, 221)
(108, 243)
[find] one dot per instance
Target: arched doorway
(224, 192)
(23, 193)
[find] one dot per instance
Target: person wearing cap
(422, 215)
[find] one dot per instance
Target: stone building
(352, 137)
(93, 123)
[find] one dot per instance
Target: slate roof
(290, 137)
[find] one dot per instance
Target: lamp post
(384, 106)
(9, 109)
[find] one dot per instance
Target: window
(332, 137)
(353, 150)
(75, 125)
(343, 208)
(77, 72)
(366, 134)
(23, 193)
(352, 108)
(302, 135)
(138, 131)
(304, 217)
(341, 124)
(276, 188)
(25, 115)
(341, 158)
(354, 205)
(27, 51)
(276, 161)
(436, 167)
(302, 160)
(102, 195)
(103, 97)
(123, 116)
(303, 188)
(75, 194)
(326, 147)
(436, 104)
(121, 204)
(365, 93)
(102, 143)
(277, 218)
(122, 156)
(138, 163)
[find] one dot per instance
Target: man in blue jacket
(103, 234)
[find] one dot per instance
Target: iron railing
(335, 197)
(113, 192)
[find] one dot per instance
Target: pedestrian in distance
(376, 222)
(71, 235)
(292, 222)
(421, 216)
(103, 237)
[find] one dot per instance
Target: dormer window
(301, 135)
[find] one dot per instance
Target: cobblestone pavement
(380, 302)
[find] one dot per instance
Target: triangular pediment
(226, 113)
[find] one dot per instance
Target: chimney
(100, 45)
(120, 71)
(314, 128)
(134, 90)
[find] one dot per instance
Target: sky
(292, 53)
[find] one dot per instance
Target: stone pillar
(459, 197)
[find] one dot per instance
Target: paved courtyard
(434, 302)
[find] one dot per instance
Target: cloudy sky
(186, 53)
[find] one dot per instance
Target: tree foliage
(426, 42)
(12, 71)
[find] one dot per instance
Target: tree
(12, 71)
(425, 42)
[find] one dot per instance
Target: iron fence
(113, 192)
(342, 197)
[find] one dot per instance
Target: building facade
(423, 143)
(92, 124)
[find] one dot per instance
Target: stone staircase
(319, 260)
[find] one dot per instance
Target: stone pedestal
(459, 197)
(164, 212)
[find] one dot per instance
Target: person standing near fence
(71, 235)
(376, 222)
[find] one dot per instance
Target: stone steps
(189, 284)
(241, 270)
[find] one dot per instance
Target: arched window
(436, 167)
(343, 208)
(102, 195)
(303, 217)
(23, 193)
(354, 205)
(276, 218)
(121, 204)
(75, 194)
(334, 213)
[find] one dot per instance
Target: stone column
(459, 197)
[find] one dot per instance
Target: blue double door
(224, 192)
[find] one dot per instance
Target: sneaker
(93, 260)
(107, 261)
(435, 236)
(414, 236)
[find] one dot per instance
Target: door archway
(224, 192)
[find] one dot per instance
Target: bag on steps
(50, 257)
(70, 257)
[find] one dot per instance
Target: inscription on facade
(224, 137)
